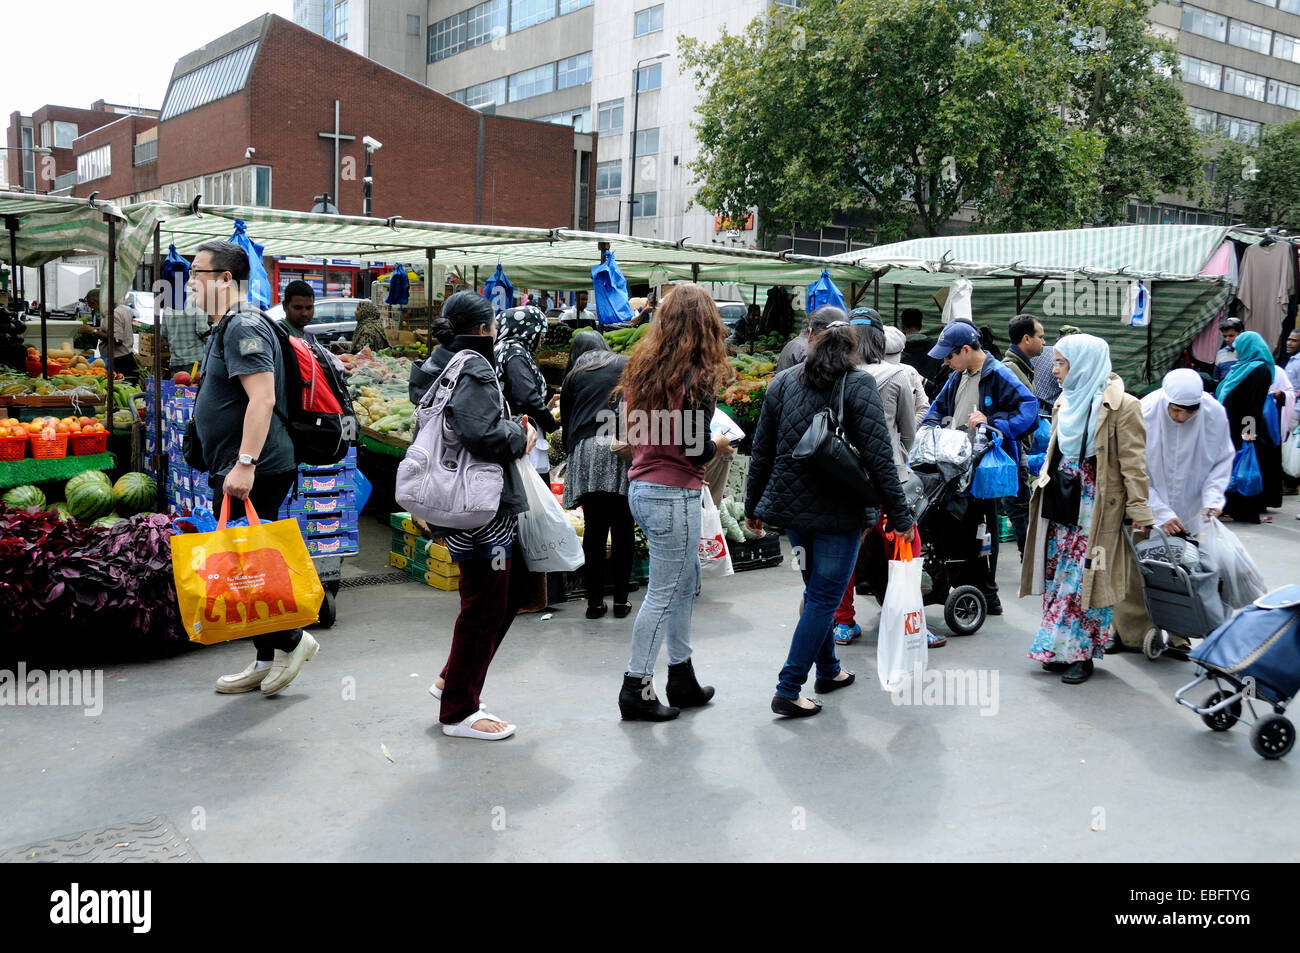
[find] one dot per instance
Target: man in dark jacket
(1027, 342)
(981, 390)
(916, 352)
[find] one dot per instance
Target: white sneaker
(307, 647)
(245, 681)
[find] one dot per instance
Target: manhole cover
(381, 579)
(154, 840)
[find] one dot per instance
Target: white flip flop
(466, 729)
(436, 692)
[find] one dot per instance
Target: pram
(1257, 653)
(1180, 587)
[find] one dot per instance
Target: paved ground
(1111, 770)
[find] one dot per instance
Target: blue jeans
(670, 518)
(827, 563)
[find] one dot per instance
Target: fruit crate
(87, 444)
(13, 449)
(49, 448)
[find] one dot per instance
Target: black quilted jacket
(786, 493)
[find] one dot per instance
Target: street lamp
(636, 108)
(372, 146)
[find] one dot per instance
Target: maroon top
(671, 448)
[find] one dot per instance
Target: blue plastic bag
(176, 272)
(499, 291)
(204, 521)
(1246, 478)
(399, 287)
(259, 286)
(1272, 422)
(1042, 436)
(610, 286)
(364, 489)
(823, 292)
(997, 474)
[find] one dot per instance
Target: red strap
(225, 512)
(902, 549)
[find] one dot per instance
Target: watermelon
(24, 497)
(108, 520)
(135, 493)
(97, 476)
(91, 500)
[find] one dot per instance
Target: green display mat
(374, 446)
(22, 472)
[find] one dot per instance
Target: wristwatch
(247, 460)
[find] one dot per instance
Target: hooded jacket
(1010, 406)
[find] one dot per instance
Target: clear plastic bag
(1240, 581)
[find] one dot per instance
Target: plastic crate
(327, 524)
(49, 448)
(327, 482)
(340, 502)
(345, 544)
(13, 449)
(87, 444)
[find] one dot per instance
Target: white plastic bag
(715, 557)
(546, 536)
(935, 445)
(1240, 582)
(1291, 454)
(901, 647)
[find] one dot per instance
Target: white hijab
(1189, 463)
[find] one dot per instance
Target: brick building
(42, 148)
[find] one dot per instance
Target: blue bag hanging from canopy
(997, 474)
(610, 286)
(399, 287)
(176, 272)
(823, 292)
(499, 291)
(1246, 478)
(1272, 421)
(259, 286)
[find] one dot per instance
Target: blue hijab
(1252, 352)
(1089, 358)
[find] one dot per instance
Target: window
(1267, 3)
(1202, 119)
(29, 159)
(647, 205)
(649, 21)
(649, 77)
(1250, 37)
(1290, 6)
(573, 71)
(568, 6)
(412, 24)
(611, 227)
(473, 27)
(493, 91)
(609, 117)
(1201, 73)
(262, 188)
(341, 22)
(579, 120)
(1213, 25)
(47, 133)
(64, 133)
(1284, 94)
(526, 13)
(94, 164)
(647, 142)
(1241, 130)
(209, 82)
(532, 82)
(1286, 47)
(609, 178)
(1243, 84)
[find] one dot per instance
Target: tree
(1263, 175)
(908, 109)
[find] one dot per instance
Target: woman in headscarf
(1243, 392)
(519, 332)
(596, 479)
(1080, 564)
(370, 330)
(1189, 452)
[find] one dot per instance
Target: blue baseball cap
(955, 336)
(866, 316)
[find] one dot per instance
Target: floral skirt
(1069, 632)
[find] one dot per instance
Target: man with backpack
(241, 422)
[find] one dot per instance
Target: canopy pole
(428, 293)
(895, 305)
(695, 273)
(11, 223)
(156, 458)
(875, 284)
(111, 307)
(476, 278)
(1019, 307)
(40, 283)
(1030, 297)
(754, 298)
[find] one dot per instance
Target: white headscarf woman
(1081, 394)
(1189, 452)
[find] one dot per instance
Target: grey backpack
(439, 480)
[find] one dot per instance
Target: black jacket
(790, 494)
(916, 352)
(525, 393)
(582, 399)
(474, 413)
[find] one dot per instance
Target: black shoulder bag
(1064, 492)
(825, 447)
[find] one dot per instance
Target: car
(335, 318)
(732, 312)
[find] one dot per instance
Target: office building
(390, 32)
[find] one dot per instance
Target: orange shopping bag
(246, 580)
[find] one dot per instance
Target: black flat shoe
(1057, 667)
(622, 610)
(993, 606)
(783, 706)
(824, 685)
(596, 612)
(1078, 672)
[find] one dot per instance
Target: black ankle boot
(683, 690)
(637, 701)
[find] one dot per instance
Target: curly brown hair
(686, 341)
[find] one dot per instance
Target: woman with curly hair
(669, 389)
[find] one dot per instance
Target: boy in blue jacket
(981, 390)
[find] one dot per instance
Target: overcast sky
(121, 51)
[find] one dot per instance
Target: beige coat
(1111, 572)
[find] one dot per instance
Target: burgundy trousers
(489, 600)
